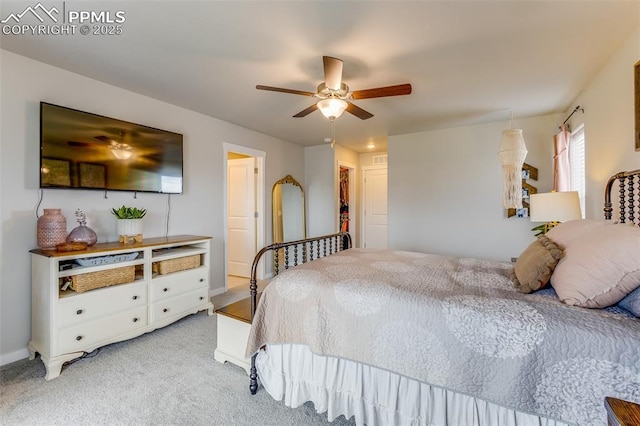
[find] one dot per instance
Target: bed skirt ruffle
(373, 396)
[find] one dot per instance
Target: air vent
(379, 160)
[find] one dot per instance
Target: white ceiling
(468, 61)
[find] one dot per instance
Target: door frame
(364, 169)
(260, 157)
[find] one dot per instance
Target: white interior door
(375, 208)
(241, 221)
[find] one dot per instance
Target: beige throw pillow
(599, 269)
(535, 265)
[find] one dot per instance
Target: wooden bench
(234, 324)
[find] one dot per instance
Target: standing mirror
(288, 211)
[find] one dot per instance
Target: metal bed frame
(286, 255)
(628, 194)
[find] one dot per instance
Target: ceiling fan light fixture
(332, 108)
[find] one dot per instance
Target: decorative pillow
(566, 232)
(599, 269)
(632, 302)
(535, 265)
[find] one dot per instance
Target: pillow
(535, 265)
(566, 232)
(599, 269)
(632, 302)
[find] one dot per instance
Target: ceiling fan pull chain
(333, 132)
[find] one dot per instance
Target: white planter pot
(130, 230)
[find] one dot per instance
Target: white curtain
(562, 166)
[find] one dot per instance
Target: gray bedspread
(456, 323)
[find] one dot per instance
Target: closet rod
(573, 112)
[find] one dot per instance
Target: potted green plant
(129, 223)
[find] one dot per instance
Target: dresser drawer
(180, 304)
(97, 303)
(76, 338)
(178, 283)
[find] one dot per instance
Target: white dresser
(167, 279)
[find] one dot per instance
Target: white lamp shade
(555, 207)
(332, 107)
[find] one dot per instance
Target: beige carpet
(166, 377)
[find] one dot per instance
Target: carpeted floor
(166, 377)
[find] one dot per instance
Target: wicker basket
(93, 280)
(177, 264)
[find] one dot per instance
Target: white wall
(444, 186)
(609, 123)
(321, 176)
(319, 186)
(199, 210)
(445, 189)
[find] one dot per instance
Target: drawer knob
(79, 311)
(165, 310)
(78, 338)
(135, 297)
(201, 279)
(135, 320)
(165, 289)
(201, 298)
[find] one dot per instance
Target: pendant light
(512, 153)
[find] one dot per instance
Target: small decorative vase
(83, 234)
(52, 229)
(130, 230)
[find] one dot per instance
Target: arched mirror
(289, 222)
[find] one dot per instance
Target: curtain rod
(573, 112)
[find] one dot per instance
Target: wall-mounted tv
(81, 150)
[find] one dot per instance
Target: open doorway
(244, 211)
(347, 198)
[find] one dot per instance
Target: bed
(404, 338)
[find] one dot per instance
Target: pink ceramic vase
(52, 229)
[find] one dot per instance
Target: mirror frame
(278, 228)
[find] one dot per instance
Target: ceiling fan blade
(381, 92)
(332, 72)
(307, 111)
(358, 112)
(279, 89)
(81, 144)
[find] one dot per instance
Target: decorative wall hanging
(528, 173)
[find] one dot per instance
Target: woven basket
(177, 264)
(93, 280)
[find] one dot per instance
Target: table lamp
(553, 208)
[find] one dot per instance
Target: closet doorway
(244, 211)
(347, 199)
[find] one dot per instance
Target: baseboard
(216, 291)
(14, 356)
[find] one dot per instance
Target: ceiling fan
(334, 95)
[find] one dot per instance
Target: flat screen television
(81, 150)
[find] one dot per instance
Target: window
(576, 159)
